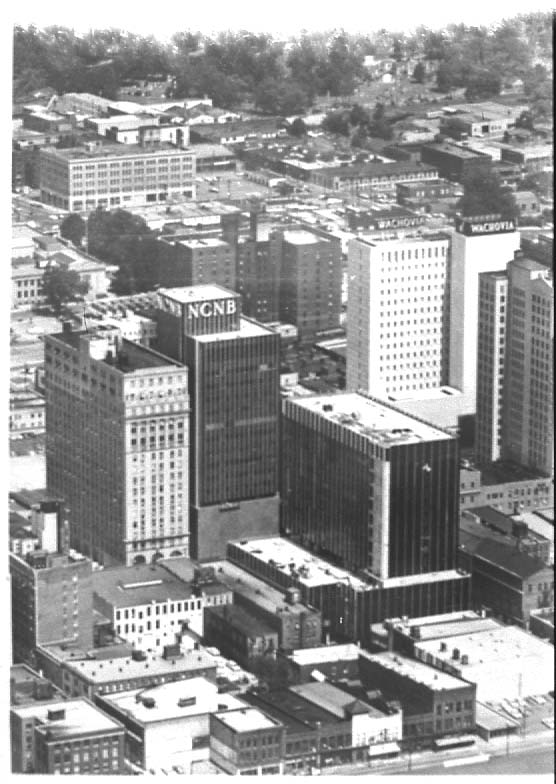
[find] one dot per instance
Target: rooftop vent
(56, 714)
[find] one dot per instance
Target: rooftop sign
(488, 224)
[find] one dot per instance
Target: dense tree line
(278, 76)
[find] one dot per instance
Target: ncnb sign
(216, 307)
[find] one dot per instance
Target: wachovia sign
(488, 225)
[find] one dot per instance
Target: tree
(298, 127)
(483, 194)
(61, 285)
(272, 673)
(337, 122)
(359, 115)
(419, 73)
(481, 84)
(379, 125)
(73, 228)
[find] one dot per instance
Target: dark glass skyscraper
(234, 385)
(368, 486)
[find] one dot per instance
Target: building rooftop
(28, 687)
(251, 587)
(129, 357)
(334, 700)
(204, 242)
(247, 329)
(415, 671)
(300, 237)
(242, 619)
(306, 657)
(200, 293)
(247, 720)
(513, 646)
(115, 151)
(80, 717)
(490, 720)
(504, 472)
(171, 701)
(377, 421)
(292, 560)
(441, 626)
(456, 150)
(291, 709)
(130, 586)
(125, 668)
(377, 169)
(504, 556)
(394, 240)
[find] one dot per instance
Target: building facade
(310, 282)
(117, 429)
(528, 375)
(397, 313)
(71, 737)
(233, 367)
(246, 741)
(80, 179)
(369, 486)
(51, 601)
(491, 349)
(479, 244)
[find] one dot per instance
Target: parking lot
(229, 185)
(534, 714)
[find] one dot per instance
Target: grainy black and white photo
(281, 323)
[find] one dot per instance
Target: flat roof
(435, 393)
(393, 239)
(116, 151)
(241, 581)
(379, 423)
(415, 670)
(334, 700)
(130, 356)
(325, 653)
(283, 553)
(447, 628)
(247, 720)
(301, 237)
(291, 709)
(509, 644)
(419, 579)
(80, 718)
(204, 242)
(200, 293)
(172, 701)
(126, 668)
(455, 150)
(377, 169)
(129, 586)
(490, 720)
(238, 616)
(247, 329)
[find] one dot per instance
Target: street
(525, 761)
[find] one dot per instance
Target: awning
(378, 749)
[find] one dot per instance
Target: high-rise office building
(397, 313)
(491, 351)
(369, 486)
(528, 378)
(259, 257)
(117, 433)
(310, 282)
(479, 244)
(190, 261)
(233, 367)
